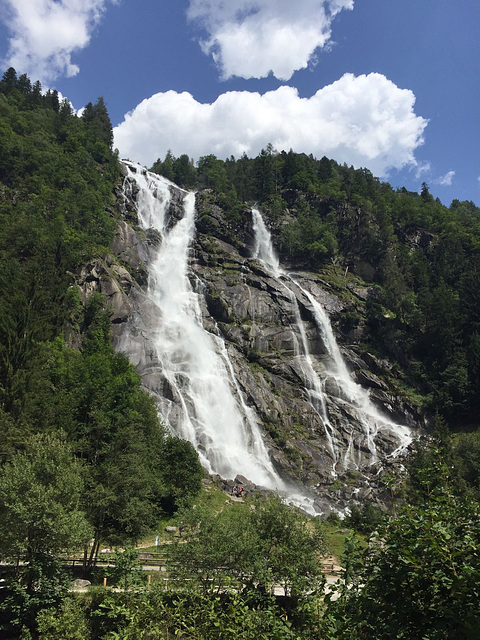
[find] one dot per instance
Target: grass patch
(210, 498)
(335, 538)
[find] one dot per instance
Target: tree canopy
(419, 577)
(83, 448)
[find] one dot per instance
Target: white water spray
(352, 394)
(204, 403)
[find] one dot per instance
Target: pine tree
(9, 80)
(98, 122)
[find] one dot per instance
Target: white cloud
(446, 180)
(250, 38)
(422, 169)
(365, 121)
(45, 33)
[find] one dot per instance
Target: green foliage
(466, 453)
(180, 170)
(267, 543)
(98, 127)
(220, 549)
(266, 173)
(364, 519)
(42, 586)
(308, 240)
(95, 396)
(40, 516)
(127, 570)
(419, 576)
(224, 555)
(211, 173)
(40, 494)
(161, 615)
(54, 196)
(181, 473)
(68, 621)
(132, 469)
(290, 542)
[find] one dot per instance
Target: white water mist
(368, 417)
(204, 403)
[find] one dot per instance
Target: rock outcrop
(255, 315)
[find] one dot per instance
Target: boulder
(81, 584)
(368, 379)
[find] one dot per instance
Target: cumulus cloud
(45, 33)
(446, 180)
(250, 38)
(365, 121)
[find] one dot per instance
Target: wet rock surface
(335, 459)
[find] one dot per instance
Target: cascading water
(199, 396)
(263, 251)
(355, 397)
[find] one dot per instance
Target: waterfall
(355, 397)
(189, 368)
(263, 250)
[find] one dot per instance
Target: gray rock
(81, 584)
(253, 313)
(125, 238)
(368, 379)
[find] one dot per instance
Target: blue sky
(393, 86)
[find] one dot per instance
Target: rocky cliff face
(333, 454)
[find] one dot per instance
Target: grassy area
(211, 498)
(336, 534)
(335, 539)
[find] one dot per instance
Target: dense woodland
(85, 458)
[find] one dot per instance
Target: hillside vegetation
(85, 460)
(85, 457)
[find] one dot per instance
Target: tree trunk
(92, 560)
